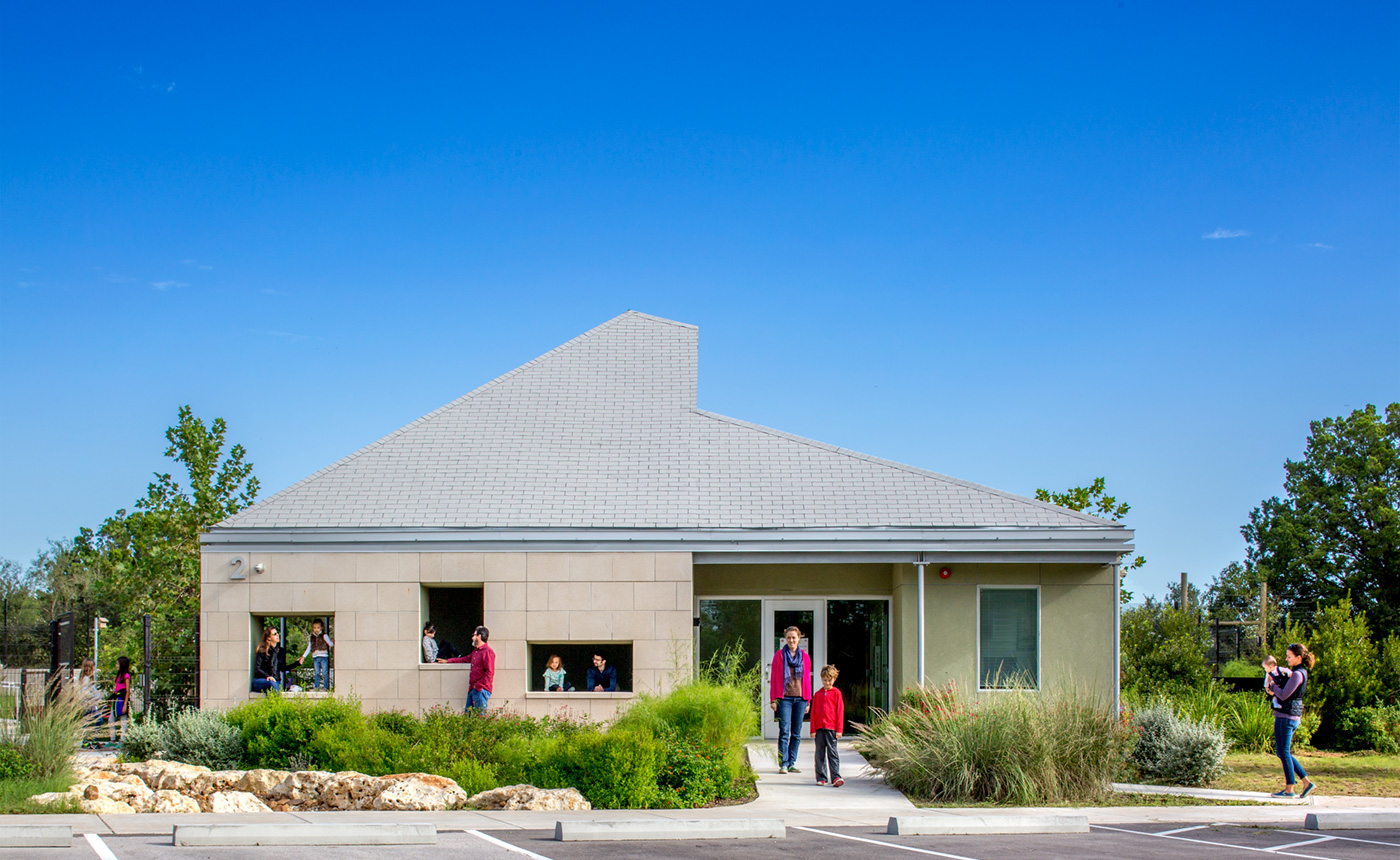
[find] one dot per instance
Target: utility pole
(1185, 596)
(1264, 614)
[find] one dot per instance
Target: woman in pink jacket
(789, 691)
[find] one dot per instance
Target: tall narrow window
(1009, 638)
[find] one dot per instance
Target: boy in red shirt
(828, 722)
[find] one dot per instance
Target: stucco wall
(1076, 615)
(377, 598)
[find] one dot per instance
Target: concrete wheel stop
(974, 825)
(660, 828)
(305, 834)
(1377, 820)
(36, 836)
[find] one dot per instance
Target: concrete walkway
(864, 800)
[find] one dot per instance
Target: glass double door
(850, 633)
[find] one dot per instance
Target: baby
(1278, 674)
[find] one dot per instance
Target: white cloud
(1319, 245)
(269, 291)
(165, 285)
(1222, 233)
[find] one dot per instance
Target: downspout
(1117, 647)
(920, 564)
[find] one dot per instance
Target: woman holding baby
(1288, 686)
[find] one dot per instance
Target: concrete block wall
(642, 599)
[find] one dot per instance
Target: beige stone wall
(644, 599)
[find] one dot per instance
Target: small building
(584, 502)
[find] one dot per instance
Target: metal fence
(169, 678)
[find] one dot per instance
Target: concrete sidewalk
(864, 800)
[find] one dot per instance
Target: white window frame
(1039, 638)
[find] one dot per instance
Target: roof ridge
(447, 406)
(905, 467)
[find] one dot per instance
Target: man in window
(602, 678)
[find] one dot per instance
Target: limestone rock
(305, 787)
(204, 784)
(349, 789)
(529, 797)
(105, 806)
(166, 800)
(419, 791)
(236, 801)
(178, 777)
(260, 782)
(51, 797)
(148, 771)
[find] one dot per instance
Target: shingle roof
(604, 432)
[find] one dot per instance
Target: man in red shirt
(483, 671)
(828, 724)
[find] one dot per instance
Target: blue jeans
(477, 699)
(321, 672)
(262, 685)
(790, 712)
(1283, 742)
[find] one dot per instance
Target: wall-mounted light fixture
(259, 568)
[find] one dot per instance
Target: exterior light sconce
(238, 571)
(259, 568)
(945, 572)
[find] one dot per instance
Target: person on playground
(1288, 713)
(789, 691)
(121, 698)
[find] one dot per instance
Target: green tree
(1346, 675)
(1163, 648)
(1234, 593)
(1336, 531)
(18, 593)
(1094, 500)
(148, 559)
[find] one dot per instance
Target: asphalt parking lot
(1139, 842)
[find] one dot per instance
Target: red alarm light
(944, 573)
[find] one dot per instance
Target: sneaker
(1308, 790)
(782, 770)
(837, 782)
(793, 770)
(821, 782)
(1284, 793)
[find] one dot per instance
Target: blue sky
(1023, 245)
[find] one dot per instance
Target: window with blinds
(1009, 638)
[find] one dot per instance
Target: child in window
(828, 723)
(319, 647)
(554, 681)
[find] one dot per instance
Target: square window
(295, 634)
(456, 612)
(1008, 638)
(577, 659)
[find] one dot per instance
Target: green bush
(720, 717)
(276, 728)
(1163, 647)
(1176, 750)
(1015, 746)
(143, 740)
(1375, 727)
(1345, 676)
(397, 722)
(613, 770)
(692, 773)
(203, 738)
(13, 763)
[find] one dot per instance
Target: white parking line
(100, 847)
(1301, 844)
(1209, 842)
(886, 844)
(1352, 839)
(1181, 830)
(497, 842)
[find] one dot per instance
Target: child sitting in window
(554, 681)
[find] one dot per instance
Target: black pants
(826, 752)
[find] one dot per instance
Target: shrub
(614, 770)
(397, 722)
(1176, 750)
(720, 717)
(692, 773)
(275, 728)
(203, 738)
(13, 763)
(1345, 675)
(1013, 747)
(50, 736)
(144, 740)
(1370, 728)
(1163, 647)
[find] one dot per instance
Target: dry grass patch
(1337, 774)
